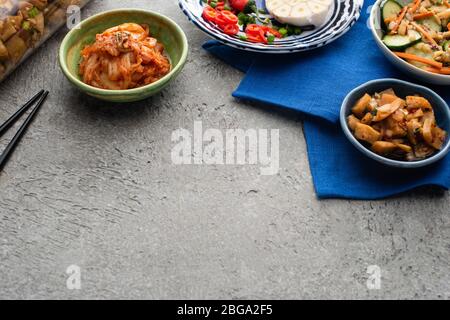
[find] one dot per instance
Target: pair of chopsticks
(40, 98)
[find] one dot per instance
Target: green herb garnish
(33, 12)
(245, 19)
(283, 31)
(26, 25)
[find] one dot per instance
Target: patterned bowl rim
(297, 46)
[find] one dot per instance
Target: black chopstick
(15, 140)
(8, 123)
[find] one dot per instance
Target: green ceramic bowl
(161, 27)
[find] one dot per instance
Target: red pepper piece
(209, 14)
(253, 29)
(229, 16)
(221, 20)
(231, 29)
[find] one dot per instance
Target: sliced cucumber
(399, 43)
(431, 23)
(445, 45)
(390, 10)
(417, 51)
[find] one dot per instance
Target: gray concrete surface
(93, 185)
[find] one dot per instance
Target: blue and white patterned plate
(341, 18)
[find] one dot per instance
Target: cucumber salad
(418, 31)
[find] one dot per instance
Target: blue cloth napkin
(315, 83)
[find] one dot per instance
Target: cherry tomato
(245, 6)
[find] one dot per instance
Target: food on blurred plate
(300, 12)
(401, 129)
(419, 33)
(26, 24)
(124, 57)
(243, 19)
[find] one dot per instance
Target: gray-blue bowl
(402, 89)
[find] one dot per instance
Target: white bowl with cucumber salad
(415, 46)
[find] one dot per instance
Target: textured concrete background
(92, 184)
